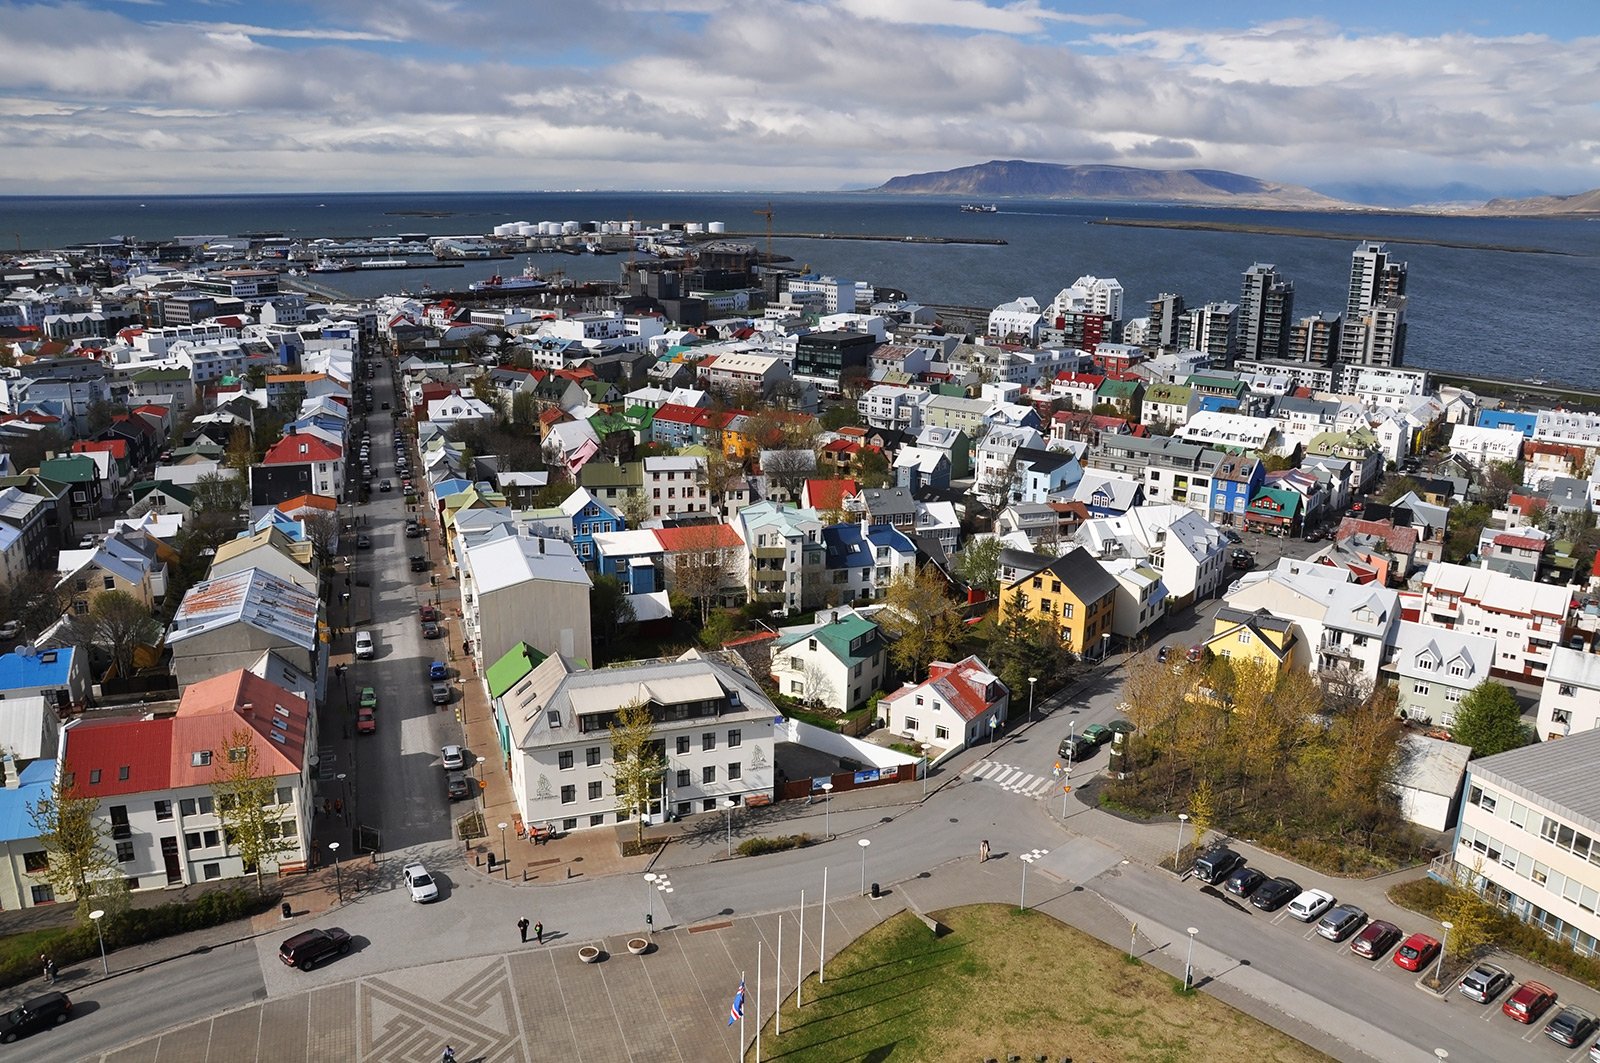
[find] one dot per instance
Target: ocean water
(1471, 308)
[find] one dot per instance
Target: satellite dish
(28, 650)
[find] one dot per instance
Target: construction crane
(767, 214)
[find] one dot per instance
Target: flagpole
(777, 1014)
(741, 1017)
(759, 951)
(822, 947)
(800, 955)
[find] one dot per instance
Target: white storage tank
(694, 227)
(505, 229)
(716, 227)
(568, 228)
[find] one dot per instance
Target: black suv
(310, 947)
(419, 562)
(1076, 748)
(51, 1009)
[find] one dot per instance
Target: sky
(183, 96)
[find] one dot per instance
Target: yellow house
(1258, 637)
(1074, 593)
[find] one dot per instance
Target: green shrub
(760, 846)
(19, 953)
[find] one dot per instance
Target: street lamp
(1032, 679)
(1438, 970)
(827, 807)
(1177, 854)
(344, 794)
(864, 842)
(1105, 645)
(732, 804)
(98, 915)
(480, 773)
(925, 766)
(1188, 965)
(338, 880)
(654, 883)
(505, 854)
(1027, 858)
(994, 725)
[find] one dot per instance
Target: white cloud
(798, 94)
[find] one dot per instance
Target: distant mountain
(1044, 180)
(1536, 206)
(1453, 195)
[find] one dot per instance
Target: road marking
(1012, 779)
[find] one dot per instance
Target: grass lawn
(1004, 982)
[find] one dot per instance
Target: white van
(364, 646)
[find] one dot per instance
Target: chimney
(541, 545)
(249, 709)
(10, 767)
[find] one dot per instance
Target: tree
(247, 804)
(117, 624)
(635, 508)
(322, 532)
(840, 416)
(1202, 810)
(786, 471)
(77, 861)
(241, 452)
(1490, 720)
(524, 410)
(722, 474)
(27, 451)
(872, 468)
(1471, 918)
(979, 563)
(1500, 478)
(636, 762)
(611, 615)
(921, 619)
(699, 567)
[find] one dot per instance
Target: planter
(638, 946)
(589, 954)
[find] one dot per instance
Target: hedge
(761, 846)
(19, 954)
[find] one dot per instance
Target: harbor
(882, 238)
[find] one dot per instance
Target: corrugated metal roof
(1557, 775)
(252, 596)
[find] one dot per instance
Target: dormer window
(200, 758)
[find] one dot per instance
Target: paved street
(455, 971)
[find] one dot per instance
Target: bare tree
(77, 860)
(636, 760)
(788, 470)
(699, 567)
(117, 624)
(247, 804)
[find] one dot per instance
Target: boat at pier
(980, 208)
(530, 279)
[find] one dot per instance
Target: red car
(1531, 1000)
(429, 613)
(1375, 939)
(1418, 951)
(366, 722)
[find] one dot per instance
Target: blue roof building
(59, 674)
(20, 888)
(862, 560)
(1516, 420)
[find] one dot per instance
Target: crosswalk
(1014, 780)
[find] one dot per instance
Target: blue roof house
(23, 883)
(59, 674)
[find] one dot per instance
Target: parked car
(1195, 653)
(1416, 952)
(1242, 559)
(1274, 894)
(419, 562)
(310, 947)
(366, 722)
(429, 612)
(441, 693)
(414, 531)
(1075, 748)
(1484, 982)
(1244, 881)
(1531, 1000)
(9, 629)
(385, 485)
(420, 883)
(1572, 1027)
(1215, 864)
(1162, 654)
(369, 699)
(385, 406)
(1310, 904)
(452, 758)
(1232, 536)
(31, 1016)
(1340, 922)
(364, 646)
(457, 786)
(1098, 733)
(363, 541)
(1376, 938)
(431, 629)
(437, 670)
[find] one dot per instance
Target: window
(684, 778)
(124, 852)
(36, 862)
(1066, 610)
(564, 760)
(684, 808)
(735, 771)
(94, 776)
(591, 756)
(598, 819)
(569, 794)
(285, 795)
(708, 804)
(708, 774)
(1244, 638)
(683, 744)
(595, 790)
(941, 732)
(122, 773)
(569, 824)
(1567, 691)
(912, 724)
(211, 871)
(708, 741)
(200, 759)
(163, 810)
(735, 738)
(43, 894)
(1420, 689)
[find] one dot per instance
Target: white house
(840, 661)
(1018, 319)
(1526, 619)
(1570, 699)
(1484, 445)
(953, 708)
(714, 724)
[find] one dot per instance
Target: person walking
(538, 932)
(449, 1055)
(44, 964)
(522, 927)
(983, 851)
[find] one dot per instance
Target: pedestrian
(44, 964)
(538, 932)
(327, 806)
(522, 927)
(338, 806)
(983, 851)
(449, 1055)
(50, 967)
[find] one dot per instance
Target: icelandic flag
(736, 1013)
